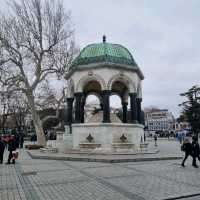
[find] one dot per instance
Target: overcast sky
(163, 37)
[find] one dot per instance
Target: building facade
(159, 120)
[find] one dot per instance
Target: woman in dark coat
(195, 150)
(187, 148)
(2, 147)
(11, 148)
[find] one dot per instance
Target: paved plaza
(40, 179)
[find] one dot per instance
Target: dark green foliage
(191, 108)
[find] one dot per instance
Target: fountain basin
(89, 145)
(107, 135)
(125, 145)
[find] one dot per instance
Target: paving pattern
(32, 179)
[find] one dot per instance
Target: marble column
(133, 104)
(82, 108)
(106, 106)
(78, 98)
(69, 111)
(139, 116)
(124, 112)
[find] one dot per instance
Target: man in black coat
(2, 147)
(187, 148)
(195, 151)
(11, 148)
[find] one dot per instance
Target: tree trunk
(41, 140)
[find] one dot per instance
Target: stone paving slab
(37, 179)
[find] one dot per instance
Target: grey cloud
(163, 37)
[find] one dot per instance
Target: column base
(135, 122)
(106, 121)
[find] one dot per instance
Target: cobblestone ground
(65, 180)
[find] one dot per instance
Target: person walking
(180, 137)
(195, 150)
(11, 148)
(22, 142)
(187, 148)
(2, 147)
(155, 140)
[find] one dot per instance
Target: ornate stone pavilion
(104, 69)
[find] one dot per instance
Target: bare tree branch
(36, 41)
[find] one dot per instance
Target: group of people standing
(191, 149)
(10, 143)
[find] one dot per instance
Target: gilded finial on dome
(104, 38)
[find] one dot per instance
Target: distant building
(159, 120)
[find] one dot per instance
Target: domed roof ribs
(100, 53)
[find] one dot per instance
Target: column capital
(71, 99)
(139, 99)
(124, 103)
(133, 94)
(77, 94)
(106, 92)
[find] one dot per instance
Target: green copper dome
(103, 53)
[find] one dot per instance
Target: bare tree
(36, 41)
(4, 108)
(18, 110)
(51, 97)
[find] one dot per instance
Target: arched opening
(115, 108)
(93, 108)
(119, 99)
(119, 87)
(92, 86)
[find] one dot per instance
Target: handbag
(15, 154)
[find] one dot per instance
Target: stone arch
(124, 79)
(84, 80)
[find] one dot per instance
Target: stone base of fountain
(143, 146)
(89, 145)
(107, 136)
(124, 146)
